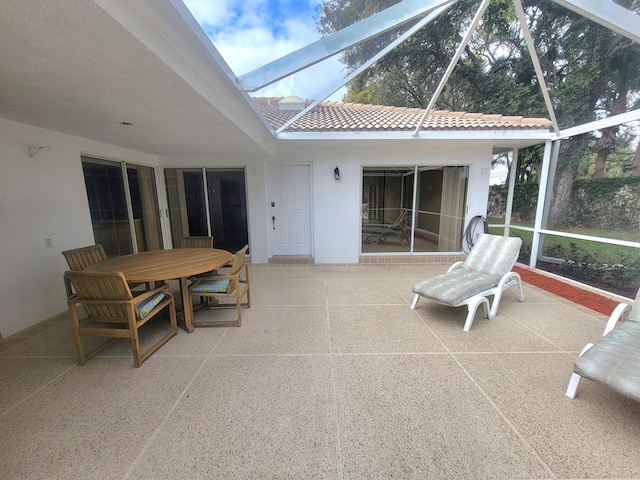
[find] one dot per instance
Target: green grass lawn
(584, 250)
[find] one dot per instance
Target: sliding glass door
(123, 206)
(227, 202)
(186, 199)
(145, 208)
(387, 209)
(393, 196)
(208, 202)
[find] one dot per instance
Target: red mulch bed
(577, 295)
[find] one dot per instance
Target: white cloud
(248, 35)
(210, 12)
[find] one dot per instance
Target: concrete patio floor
(331, 376)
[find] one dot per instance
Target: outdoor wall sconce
(336, 173)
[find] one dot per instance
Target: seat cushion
(212, 286)
(493, 254)
(144, 308)
(614, 360)
(455, 287)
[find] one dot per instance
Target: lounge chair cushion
(144, 308)
(212, 286)
(456, 286)
(614, 360)
(493, 254)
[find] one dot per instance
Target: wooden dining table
(162, 265)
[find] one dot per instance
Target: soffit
(68, 66)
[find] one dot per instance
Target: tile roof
(357, 117)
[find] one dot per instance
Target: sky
(251, 33)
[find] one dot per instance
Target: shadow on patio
(331, 375)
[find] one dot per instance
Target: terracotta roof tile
(341, 117)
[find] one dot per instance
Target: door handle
(273, 219)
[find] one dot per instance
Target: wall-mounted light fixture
(336, 173)
(34, 150)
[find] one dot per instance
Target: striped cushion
(614, 360)
(145, 307)
(212, 286)
(493, 254)
(456, 286)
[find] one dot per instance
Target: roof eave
(529, 134)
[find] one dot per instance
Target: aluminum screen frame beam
(536, 63)
(607, 14)
(330, 45)
(631, 116)
(452, 64)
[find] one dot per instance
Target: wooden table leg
(188, 312)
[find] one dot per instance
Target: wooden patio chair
(112, 311)
(196, 242)
(234, 285)
(614, 360)
(485, 272)
(80, 258)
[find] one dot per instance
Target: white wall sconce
(33, 151)
(336, 173)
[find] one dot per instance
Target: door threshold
(292, 259)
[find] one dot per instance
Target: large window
(393, 196)
(208, 202)
(124, 211)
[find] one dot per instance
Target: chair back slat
(197, 242)
(80, 258)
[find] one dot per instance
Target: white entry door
(290, 192)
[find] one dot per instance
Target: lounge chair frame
(379, 232)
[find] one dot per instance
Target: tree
(624, 79)
(591, 83)
(635, 165)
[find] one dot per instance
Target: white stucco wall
(337, 204)
(42, 197)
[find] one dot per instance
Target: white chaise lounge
(485, 272)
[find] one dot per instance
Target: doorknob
(273, 219)
(273, 204)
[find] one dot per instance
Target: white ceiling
(70, 67)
